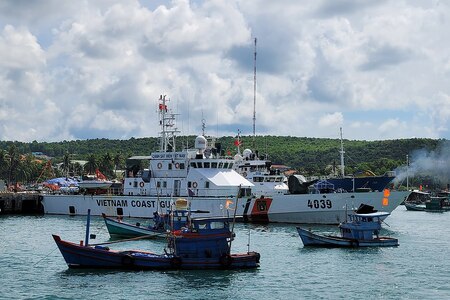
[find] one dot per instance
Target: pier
(20, 203)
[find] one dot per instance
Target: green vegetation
(311, 156)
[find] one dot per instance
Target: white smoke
(435, 164)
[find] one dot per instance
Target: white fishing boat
(211, 184)
(97, 181)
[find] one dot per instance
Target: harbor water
(31, 266)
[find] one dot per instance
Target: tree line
(310, 156)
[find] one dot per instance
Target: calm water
(32, 268)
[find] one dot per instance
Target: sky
(73, 70)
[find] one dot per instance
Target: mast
(167, 123)
(342, 156)
(407, 172)
(254, 97)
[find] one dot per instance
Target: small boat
(162, 223)
(361, 230)
(204, 244)
(93, 182)
(118, 228)
(433, 204)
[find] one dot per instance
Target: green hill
(311, 156)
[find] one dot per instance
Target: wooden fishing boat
(204, 244)
(361, 230)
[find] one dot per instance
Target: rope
(45, 257)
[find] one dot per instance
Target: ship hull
(302, 208)
(373, 183)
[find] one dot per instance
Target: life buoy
(141, 184)
(194, 185)
(128, 260)
(244, 174)
(226, 260)
(159, 165)
(177, 165)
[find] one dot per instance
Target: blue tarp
(63, 181)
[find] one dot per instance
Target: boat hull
(120, 229)
(311, 239)
(423, 207)
(415, 207)
(78, 256)
(329, 208)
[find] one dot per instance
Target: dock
(20, 203)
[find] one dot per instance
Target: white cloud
(331, 120)
(95, 68)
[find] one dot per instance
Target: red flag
(100, 175)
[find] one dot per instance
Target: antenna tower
(254, 97)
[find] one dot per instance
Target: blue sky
(95, 69)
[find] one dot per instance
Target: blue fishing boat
(361, 230)
(204, 244)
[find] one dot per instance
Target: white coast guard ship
(295, 200)
(212, 187)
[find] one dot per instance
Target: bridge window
(214, 165)
(217, 225)
(193, 165)
(202, 225)
(206, 165)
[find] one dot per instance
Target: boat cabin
(206, 238)
(363, 226)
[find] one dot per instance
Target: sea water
(31, 267)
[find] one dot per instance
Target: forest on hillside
(310, 156)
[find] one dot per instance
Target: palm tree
(66, 163)
(3, 164)
(77, 168)
(12, 162)
(106, 164)
(25, 168)
(91, 164)
(117, 161)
